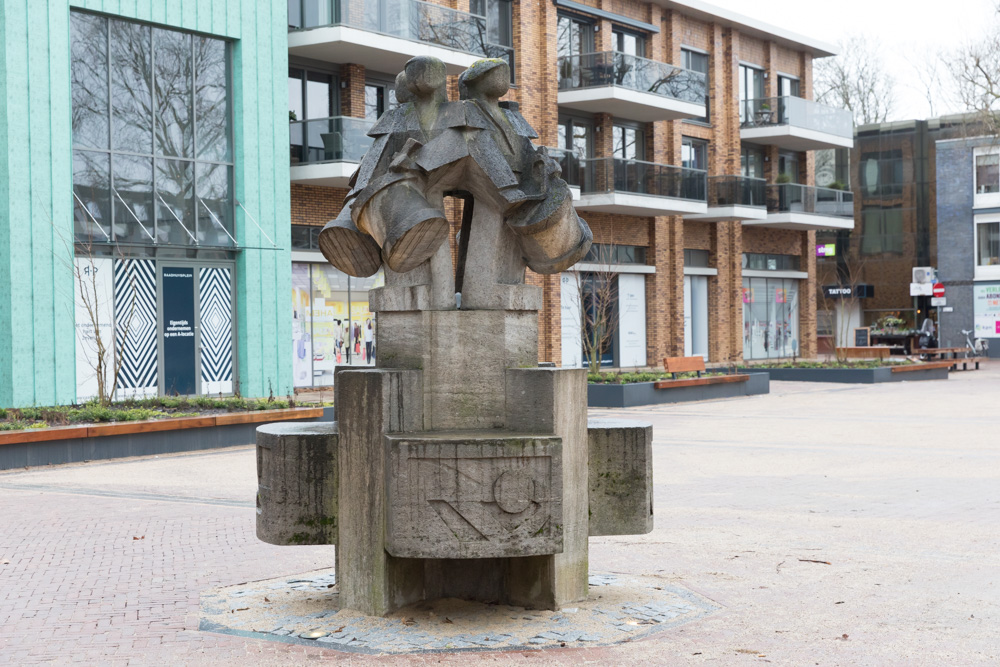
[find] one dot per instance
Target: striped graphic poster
(215, 314)
(135, 327)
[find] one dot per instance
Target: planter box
(646, 393)
(74, 444)
(929, 371)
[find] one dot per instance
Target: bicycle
(975, 348)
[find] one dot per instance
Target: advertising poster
(632, 320)
(301, 326)
(93, 299)
(177, 329)
(986, 309)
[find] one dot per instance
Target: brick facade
(665, 238)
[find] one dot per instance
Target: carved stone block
(473, 495)
(297, 483)
(621, 477)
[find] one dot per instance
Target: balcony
(326, 151)
(383, 34)
(630, 87)
(632, 187)
(804, 207)
(572, 168)
(795, 124)
(734, 198)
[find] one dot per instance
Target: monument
(457, 467)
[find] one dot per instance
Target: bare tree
(975, 70)
(597, 294)
(857, 80)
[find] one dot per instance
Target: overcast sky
(908, 31)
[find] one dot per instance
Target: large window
(697, 61)
(152, 139)
(788, 86)
(987, 246)
(331, 323)
(629, 142)
(882, 230)
(694, 153)
(770, 318)
(987, 172)
(312, 102)
(880, 173)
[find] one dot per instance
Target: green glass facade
(38, 364)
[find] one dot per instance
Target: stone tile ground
(897, 487)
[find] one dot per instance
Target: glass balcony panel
(336, 139)
(645, 178)
(735, 191)
(572, 165)
(795, 198)
(797, 112)
(406, 19)
(610, 68)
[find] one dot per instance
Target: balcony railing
(336, 139)
(572, 166)
(644, 178)
(408, 19)
(610, 68)
(736, 191)
(796, 112)
(795, 198)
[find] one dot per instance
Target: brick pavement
(902, 502)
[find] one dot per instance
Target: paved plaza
(828, 524)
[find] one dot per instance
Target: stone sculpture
(457, 467)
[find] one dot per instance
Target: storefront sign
(849, 291)
(986, 308)
(177, 329)
(826, 250)
(632, 320)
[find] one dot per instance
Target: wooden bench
(675, 365)
(874, 352)
(949, 354)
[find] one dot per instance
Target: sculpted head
(425, 77)
(486, 80)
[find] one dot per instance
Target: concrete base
(621, 477)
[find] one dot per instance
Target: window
(697, 61)
(987, 171)
(629, 43)
(788, 86)
(882, 230)
(751, 88)
(499, 22)
(764, 262)
(576, 137)
(788, 165)
(987, 246)
(694, 153)
(152, 144)
(607, 253)
(752, 162)
(880, 173)
(629, 143)
(770, 318)
(574, 36)
(305, 237)
(695, 258)
(988, 240)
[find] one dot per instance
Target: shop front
(331, 323)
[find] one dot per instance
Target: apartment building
(687, 132)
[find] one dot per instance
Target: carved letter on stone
(474, 495)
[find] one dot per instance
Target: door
(195, 329)
(696, 316)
